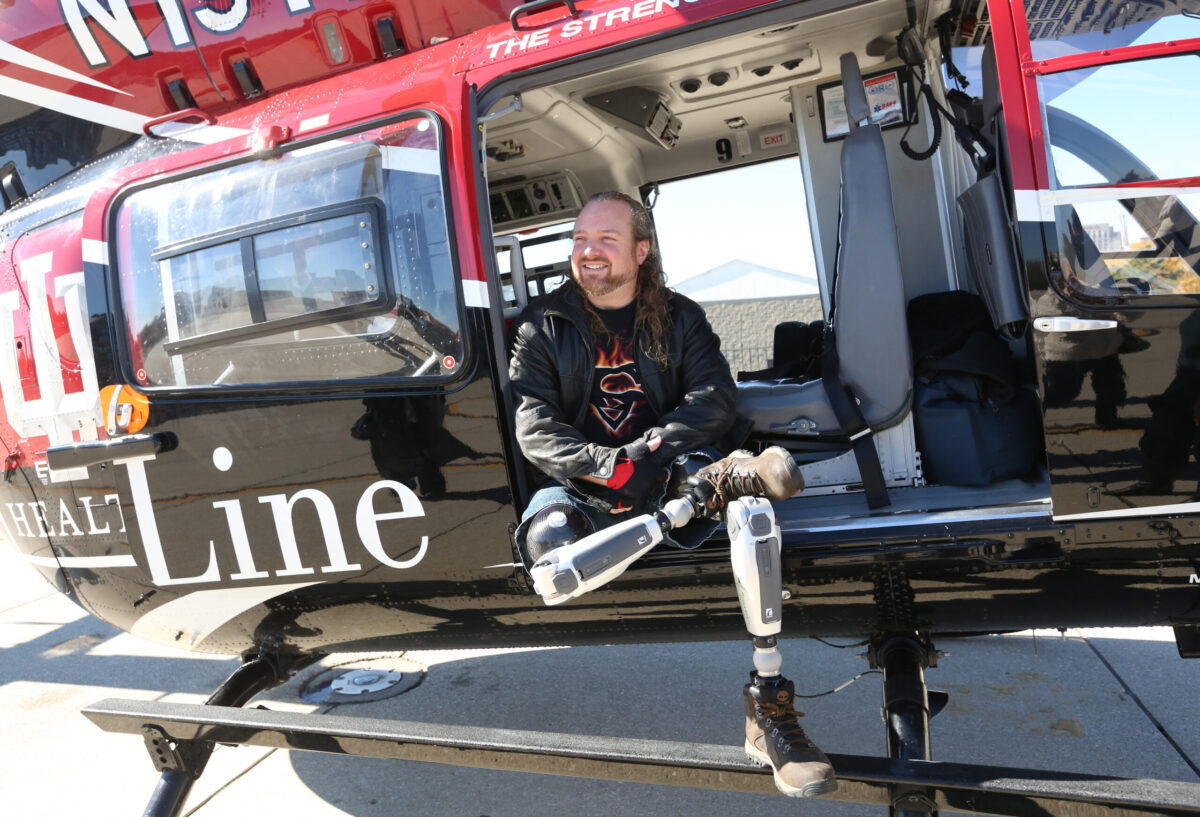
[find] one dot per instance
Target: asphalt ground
(1117, 702)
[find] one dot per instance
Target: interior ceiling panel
(558, 128)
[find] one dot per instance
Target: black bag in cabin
(974, 423)
(796, 353)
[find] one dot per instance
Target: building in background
(1106, 237)
(745, 301)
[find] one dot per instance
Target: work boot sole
(814, 789)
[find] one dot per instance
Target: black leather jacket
(553, 365)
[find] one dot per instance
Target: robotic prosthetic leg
(572, 570)
(774, 736)
(754, 546)
(773, 733)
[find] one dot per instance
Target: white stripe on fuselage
(19, 56)
(111, 116)
(1038, 205)
(71, 105)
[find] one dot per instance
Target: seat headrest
(852, 87)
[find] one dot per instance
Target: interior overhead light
(762, 70)
(798, 55)
(690, 85)
(718, 78)
(736, 122)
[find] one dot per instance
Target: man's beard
(598, 289)
(605, 286)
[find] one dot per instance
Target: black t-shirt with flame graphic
(618, 412)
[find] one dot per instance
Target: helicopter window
(542, 261)
(1104, 115)
(46, 144)
(1125, 243)
(257, 283)
(755, 268)
(288, 261)
(1147, 246)
(329, 262)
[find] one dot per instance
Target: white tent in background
(741, 280)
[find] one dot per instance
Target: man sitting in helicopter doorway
(622, 391)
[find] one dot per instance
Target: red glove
(636, 472)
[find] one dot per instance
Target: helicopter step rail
(945, 786)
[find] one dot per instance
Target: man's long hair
(652, 317)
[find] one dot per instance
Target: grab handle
(538, 5)
(1064, 323)
(150, 126)
(81, 455)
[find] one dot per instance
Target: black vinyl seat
(867, 318)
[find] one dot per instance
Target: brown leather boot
(772, 474)
(774, 738)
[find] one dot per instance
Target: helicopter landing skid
(182, 760)
(905, 782)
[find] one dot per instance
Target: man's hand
(636, 472)
(624, 473)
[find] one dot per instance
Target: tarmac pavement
(1115, 702)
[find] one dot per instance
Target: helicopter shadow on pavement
(1048, 703)
(1044, 702)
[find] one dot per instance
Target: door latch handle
(11, 463)
(81, 455)
(1064, 323)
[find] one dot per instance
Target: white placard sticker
(743, 142)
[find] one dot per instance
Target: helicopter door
(304, 404)
(1114, 302)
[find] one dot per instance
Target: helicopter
(259, 265)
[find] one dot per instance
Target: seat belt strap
(850, 417)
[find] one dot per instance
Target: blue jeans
(689, 537)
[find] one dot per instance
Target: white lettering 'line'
(19, 56)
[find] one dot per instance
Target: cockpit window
(331, 262)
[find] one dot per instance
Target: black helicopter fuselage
(221, 466)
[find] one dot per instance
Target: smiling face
(605, 258)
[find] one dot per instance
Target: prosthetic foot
(775, 738)
(772, 474)
(773, 733)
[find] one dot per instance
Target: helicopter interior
(747, 125)
(751, 98)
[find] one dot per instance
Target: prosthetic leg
(571, 570)
(773, 733)
(774, 736)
